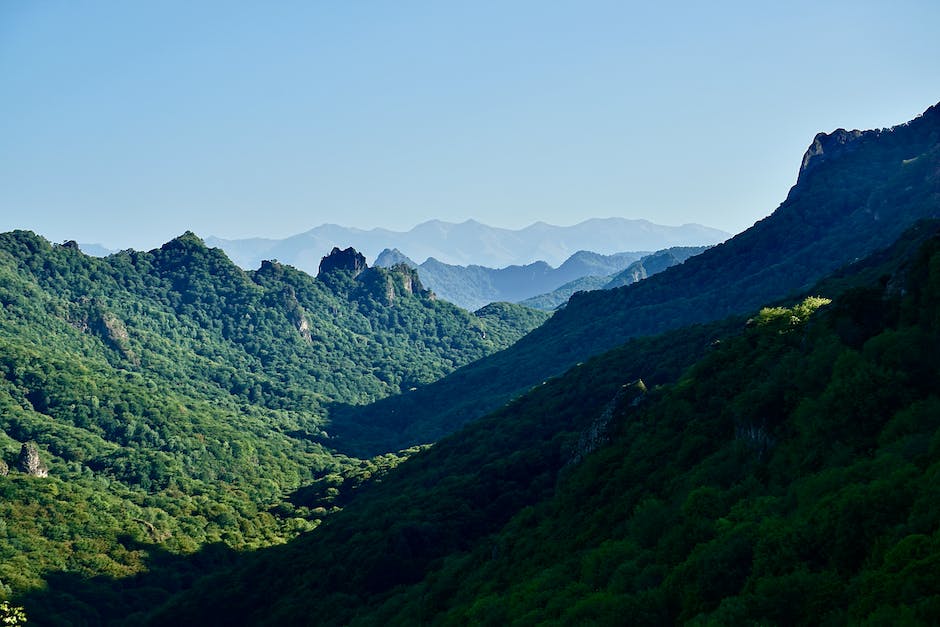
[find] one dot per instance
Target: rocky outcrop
(296, 314)
(89, 315)
(387, 285)
(829, 145)
(597, 434)
(348, 260)
(30, 462)
(410, 281)
(4, 469)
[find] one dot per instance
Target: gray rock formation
(597, 434)
(348, 260)
(30, 462)
(830, 145)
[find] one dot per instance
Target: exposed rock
(410, 281)
(756, 438)
(113, 330)
(303, 327)
(348, 260)
(114, 327)
(158, 536)
(598, 432)
(386, 285)
(30, 462)
(4, 469)
(828, 146)
(297, 314)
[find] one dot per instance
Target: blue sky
(127, 123)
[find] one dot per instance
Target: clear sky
(127, 123)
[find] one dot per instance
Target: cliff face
(384, 285)
(907, 141)
(348, 260)
(831, 145)
(30, 462)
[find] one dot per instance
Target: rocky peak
(348, 260)
(30, 462)
(829, 145)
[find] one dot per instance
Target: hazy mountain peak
(391, 257)
(473, 243)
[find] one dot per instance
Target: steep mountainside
(473, 243)
(788, 477)
(854, 195)
(175, 399)
(472, 287)
(645, 267)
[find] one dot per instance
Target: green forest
(750, 437)
(178, 401)
(788, 475)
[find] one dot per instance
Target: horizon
(463, 222)
(96, 249)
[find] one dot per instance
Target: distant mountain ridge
(643, 268)
(472, 287)
(856, 193)
(537, 284)
(471, 242)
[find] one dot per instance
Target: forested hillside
(856, 192)
(162, 410)
(177, 400)
(788, 477)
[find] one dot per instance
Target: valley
(740, 434)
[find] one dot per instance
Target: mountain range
(471, 243)
(646, 266)
(748, 437)
(776, 465)
(856, 192)
(782, 472)
(174, 398)
(536, 284)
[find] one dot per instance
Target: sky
(128, 123)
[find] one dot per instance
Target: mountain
(749, 437)
(643, 268)
(777, 469)
(855, 193)
(172, 399)
(472, 243)
(471, 287)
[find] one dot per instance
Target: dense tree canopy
(178, 400)
(789, 476)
